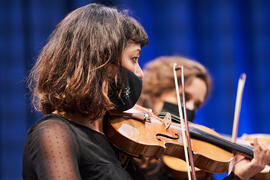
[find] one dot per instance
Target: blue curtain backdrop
(227, 36)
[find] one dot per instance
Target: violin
(176, 168)
(138, 132)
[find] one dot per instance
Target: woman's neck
(96, 125)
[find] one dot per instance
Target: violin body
(177, 169)
(152, 139)
(265, 138)
(134, 137)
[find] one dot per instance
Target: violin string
(199, 134)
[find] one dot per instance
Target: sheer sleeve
(54, 151)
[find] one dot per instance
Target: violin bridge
(167, 120)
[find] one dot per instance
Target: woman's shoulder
(49, 128)
(51, 132)
(50, 122)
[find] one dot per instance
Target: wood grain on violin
(151, 138)
(176, 168)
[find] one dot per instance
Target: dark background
(227, 36)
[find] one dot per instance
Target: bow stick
(185, 129)
(240, 90)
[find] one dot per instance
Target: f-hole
(159, 135)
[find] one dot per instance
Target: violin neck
(220, 142)
(229, 146)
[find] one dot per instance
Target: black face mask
(131, 90)
(173, 109)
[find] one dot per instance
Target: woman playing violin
(88, 67)
(159, 95)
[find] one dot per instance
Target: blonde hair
(158, 77)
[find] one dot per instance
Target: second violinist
(159, 95)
